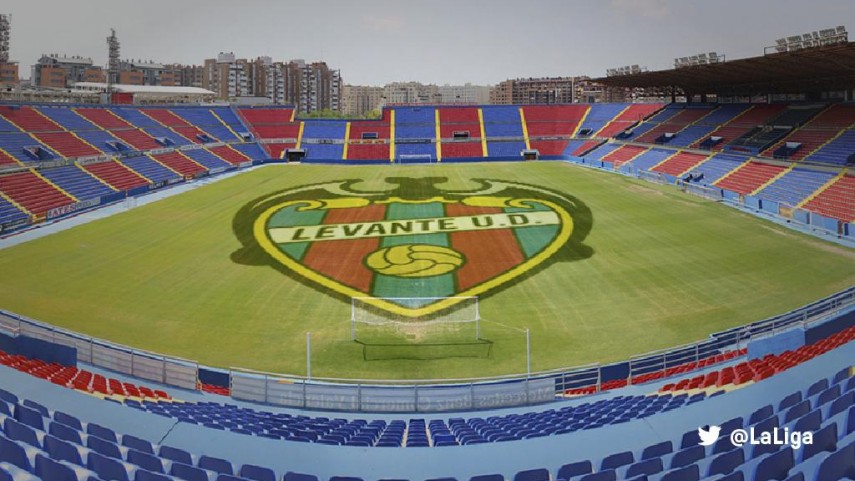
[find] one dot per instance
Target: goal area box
(415, 159)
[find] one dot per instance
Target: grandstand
(74, 407)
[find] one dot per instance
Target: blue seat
(187, 472)
(291, 476)
(68, 420)
(215, 464)
(5, 476)
(143, 475)
(614, 461)
(13, 453)
(817, 387)
(146, 461)
(761, 414)
(175, 454)
(108, 469)
(686, 473)
(837, 466)
(50, 470)
(64, 432)
(104, 447)
(539, 474)
(20, 432)
(690, 439)
(796, 411)
(8, 397)
(650, 466)
(229, 477)
(43, 411)
(726, 463)
(827, 396)
(575, 469)
(30, 417)
(734, 476)
(351, 478)
(775, 466)
(790, 400)
(608, 475)
(799, 476)
(823, 440)
(687, 456)
(657, 450)
(62, 450)
(139, 444)
(257, 473)
(487, 477)
(841, 404)
(101, 432)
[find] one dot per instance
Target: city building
(61, 71)
(357, 100)
(547, 90)
(464, 94)
(8, 69)
(227, 76)
(397, 93)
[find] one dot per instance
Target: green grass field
(665, 269)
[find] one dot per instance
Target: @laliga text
(777, 436)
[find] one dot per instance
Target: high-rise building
(465, 94)
(227, 76)
(187, 75)
(138, 72)
(61, 71)
(551, 90)
(411, 93)
(357, 100)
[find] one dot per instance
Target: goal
(372, 319)
(415, 159)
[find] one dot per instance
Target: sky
(374, 42)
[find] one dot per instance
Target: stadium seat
(575, 469)
(540, 474)
(175, 454)
(146, 461)
(50, 470)
(29, 416)
(65, 432)
(133, 442)
(20, 432)
(775, 466)
(62, 450)
(103, 447)
(108, 469)
(291, 476)
(13, 453)
(215, 464)
(257, 473)
(187, 473)
(686, 473)
(143, 475)
(101, 432)
(657, 450)
(68, 420)
(614, 461)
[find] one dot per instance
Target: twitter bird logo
(708, 436)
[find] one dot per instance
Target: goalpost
(415, 159)
(461, 323)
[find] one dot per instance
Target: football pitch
(222, 275)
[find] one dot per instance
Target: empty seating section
(502, 122)
(716, 167)
(68, 118)
(368, 149)
(460, 132)
(10, 213)
(580, 149)
(816, 133)
(107, 119)
(67, 144)
(207, 159)
(323, 139)
(837, 200)
(838, 151)
(750, 177)
(230, 155)
(673, 124)
(6, 159)
(652, 157)
(252, 151)
(180, 163)
(415, 123)
(137, 138)
(178, 124)
(32, 193)
(103, 140)
(506, 149)
(135, 117)
(623, 154)
(747, 120)
(553, 120)
(421, 149)
(204, 119)
(28, 119)
(230, 118)
(656, 119)
(703, 127)
(15, 144)
(602, 151)
(630, 116)
(271, 123)
(117, 175)
(166, 137)
(549, 147)
(150, 169)
(80, 379)
(598, 116)
(680, 163)
(77, 182)
(795, 186)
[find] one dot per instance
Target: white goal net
(415, 318)
(415, 159)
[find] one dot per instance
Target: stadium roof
(820, 69)
(144, 89)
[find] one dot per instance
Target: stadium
(655, 291)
